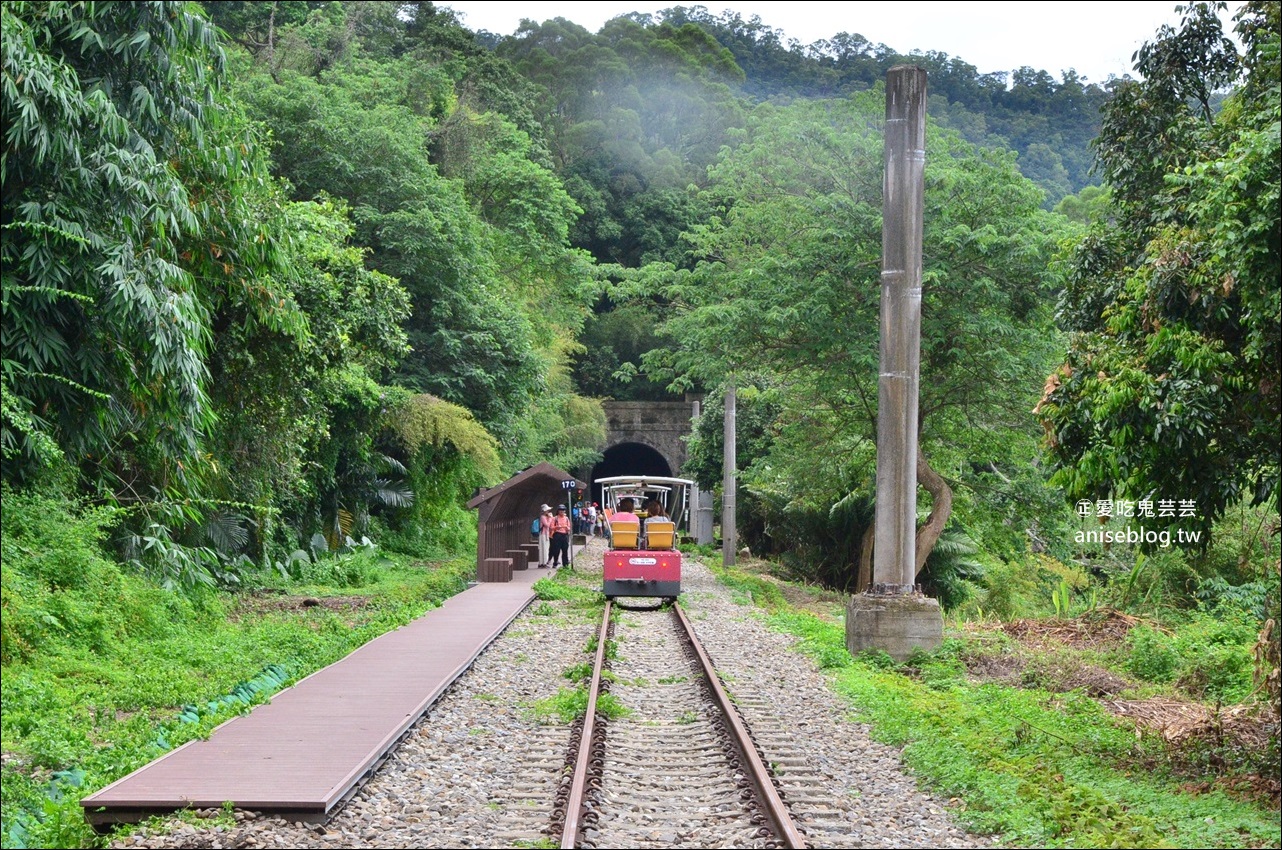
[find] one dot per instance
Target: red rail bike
(643, 559)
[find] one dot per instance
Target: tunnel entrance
(628, 459)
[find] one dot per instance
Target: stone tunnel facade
(649, 438)
(660, 425)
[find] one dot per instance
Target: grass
(1034, 767)
(103, 671)
(580, 672)
(751, 589)
(562, 588)
(569, 704)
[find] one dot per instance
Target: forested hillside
(285, 282)
(362, 228)
(1049, 123)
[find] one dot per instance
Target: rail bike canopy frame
(672, 493)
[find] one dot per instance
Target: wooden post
(729, 535)
(905, 157)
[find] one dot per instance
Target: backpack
(534, 527)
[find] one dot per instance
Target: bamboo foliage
(124, 193)
(425, 420)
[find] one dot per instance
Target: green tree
(788, 282)
(279, 441)
(192, 342)
(1170, 386)
(1089, 205)
(1041, 164)
(614, 341)
(998, 110)
(416, 128)
(448, 454)
(347, 136)
(634, 114)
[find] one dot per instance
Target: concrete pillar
(703, 517)
(905, 157)
(701, 512)
(892, 616)
(897, 624)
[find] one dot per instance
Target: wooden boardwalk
(307, 749)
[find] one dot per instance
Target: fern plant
(951, 568)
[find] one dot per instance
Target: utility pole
(701, 512)
(728, 477)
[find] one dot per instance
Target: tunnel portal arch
(643, 437)
(628, 459)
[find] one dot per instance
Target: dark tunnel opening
(628, 459)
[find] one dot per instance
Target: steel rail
(775, 810)
(578, 786)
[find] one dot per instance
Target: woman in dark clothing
(561, 537)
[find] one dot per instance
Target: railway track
(680, 767)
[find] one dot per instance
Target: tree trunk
(271, 46)
(941, 507)
(863, 578)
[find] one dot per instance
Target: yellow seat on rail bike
(660, 535)
(624, 535)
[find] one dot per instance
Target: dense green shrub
(1026, 586)
(1207, 657)
(447, 455)
(349, 569)
(60, 590)
(1153, 656)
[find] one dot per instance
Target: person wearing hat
(561, 537)
(545, 534)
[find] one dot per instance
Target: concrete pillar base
(896, 624)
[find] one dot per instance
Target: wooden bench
(520, 558)
(494, 569)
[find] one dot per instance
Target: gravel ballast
(480, 769)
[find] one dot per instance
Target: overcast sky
(1094, 38)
